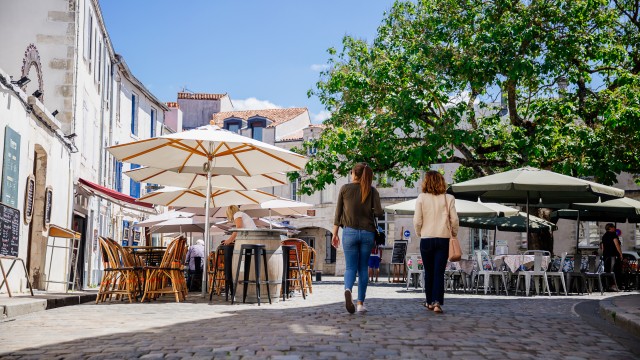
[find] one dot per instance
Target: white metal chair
(411, 262)
(559, 275)
(538, 272)
(489, 272)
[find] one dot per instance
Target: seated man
(194, 261)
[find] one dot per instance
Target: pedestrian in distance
(374, 262)
(195, 261)
(358, 202)
(611, 248)
(436, 220)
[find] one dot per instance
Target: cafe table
(152, 255)
(516, 262)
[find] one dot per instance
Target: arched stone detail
(32, 59)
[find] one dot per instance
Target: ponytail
(364, 173)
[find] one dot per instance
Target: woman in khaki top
(436, 220)
(357, 203)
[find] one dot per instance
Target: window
(233, 125)
(257, 125)
(134, 186)
(295, 185)
(117, 183)
(88, 35)
(589, 234)
(153, 123)
(134, 115)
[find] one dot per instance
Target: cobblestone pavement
(396, 326)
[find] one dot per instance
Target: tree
(482, 84)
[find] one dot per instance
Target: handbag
(379, 236)
(455, 252)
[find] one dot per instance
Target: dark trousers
(228, 271)
(435, 252)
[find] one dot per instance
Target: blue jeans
(435, 252)
(357, 245)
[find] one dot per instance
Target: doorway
(37, 244)
(79, 226)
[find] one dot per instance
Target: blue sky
(262, 53)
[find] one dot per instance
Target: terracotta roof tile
(192, 96)
(173, 104)
(278, 116)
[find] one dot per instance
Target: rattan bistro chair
(121, 276)
(304, 253)
(168, 278)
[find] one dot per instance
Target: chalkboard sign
(399, 251)
(28, 198)
(9, 230)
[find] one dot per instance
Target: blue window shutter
(153, 123)
(134, 119)
(118, 180)
(134, 186)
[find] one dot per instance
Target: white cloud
(320, 117)
(253, 104)
(319, 67)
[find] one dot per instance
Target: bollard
(318, 275)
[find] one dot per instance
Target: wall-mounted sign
(10, 167)
(48, 206)
(28, 198)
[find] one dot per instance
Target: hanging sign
(48, 206)
(28, 198)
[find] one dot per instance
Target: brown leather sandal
(429, 306)
(437, 308)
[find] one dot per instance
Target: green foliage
(427, 90)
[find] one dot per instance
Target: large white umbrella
(463, 208)
(153, 220)
(199, 180)
(211, 150)
(184, 225)
(529, 185)
(174, 196)
(270, 208)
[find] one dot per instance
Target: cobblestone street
(396, 326)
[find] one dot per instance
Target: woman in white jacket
(436, 220)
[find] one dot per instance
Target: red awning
(116, 196)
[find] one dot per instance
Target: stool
(290, 261)
(248, 250)
(221, 272)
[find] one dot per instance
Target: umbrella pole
(528, 239)
(577, 235)
(207, 223)
(495, 231)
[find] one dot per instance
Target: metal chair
(487, 270)
(411, 263)
(559, 275)
(537, 273)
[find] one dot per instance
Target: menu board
(10, 167)
(9, 230)
(399, 251)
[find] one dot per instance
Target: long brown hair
(364, 174)
(434, 183)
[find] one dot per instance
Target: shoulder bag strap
(446, 206)
(373, 211)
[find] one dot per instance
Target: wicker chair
(168, 278)
(305, 260)
(121, 276)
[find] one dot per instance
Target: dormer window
(257, 125)
(233, 125)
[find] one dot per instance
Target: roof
(297, 135)
(116, 196)
(278, 116)
(134, 80)
(173, 105)
(194, 96)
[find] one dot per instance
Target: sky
(264, 54)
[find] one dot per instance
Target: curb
(22, 305)
(619, 317)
